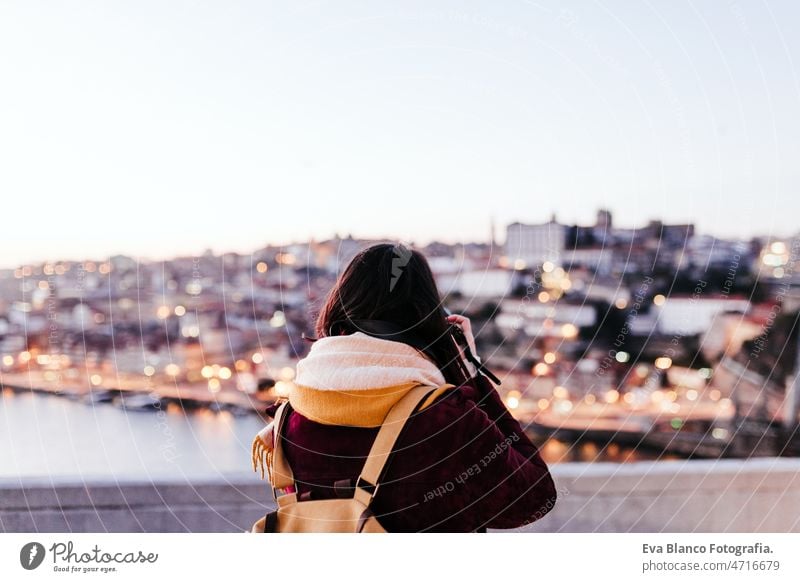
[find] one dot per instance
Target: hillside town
(652, 335)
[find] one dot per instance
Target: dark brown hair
(393, 283)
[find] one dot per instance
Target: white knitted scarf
(362, 362)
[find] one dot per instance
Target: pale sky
(155, 128)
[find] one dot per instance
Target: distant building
(122, 263)
(530, 245)
(603, 226)
(596, 259)
(590, 247)
(686, 316)
(654, 246)
(477, 283)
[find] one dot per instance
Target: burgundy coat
(462, 464)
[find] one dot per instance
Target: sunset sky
(159, 128)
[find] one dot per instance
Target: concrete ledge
(167, 504)
(758, 495)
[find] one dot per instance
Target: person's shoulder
(473, 392)
(455, 404)
(456, 423)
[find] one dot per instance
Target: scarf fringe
(261, 454)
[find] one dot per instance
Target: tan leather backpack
(352, 514)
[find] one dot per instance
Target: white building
(530, 245)
(597, 259)
(686, 316)
(495, 283)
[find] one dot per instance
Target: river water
(44, 435)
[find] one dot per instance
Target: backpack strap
(282, 476)
(382, 446)
(369, 479)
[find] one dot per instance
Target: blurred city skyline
(154, 130)
(555, 233)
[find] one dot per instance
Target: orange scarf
(355, 379)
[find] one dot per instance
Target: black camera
(461, 341)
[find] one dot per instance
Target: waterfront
(51, 435)
(48, 435)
